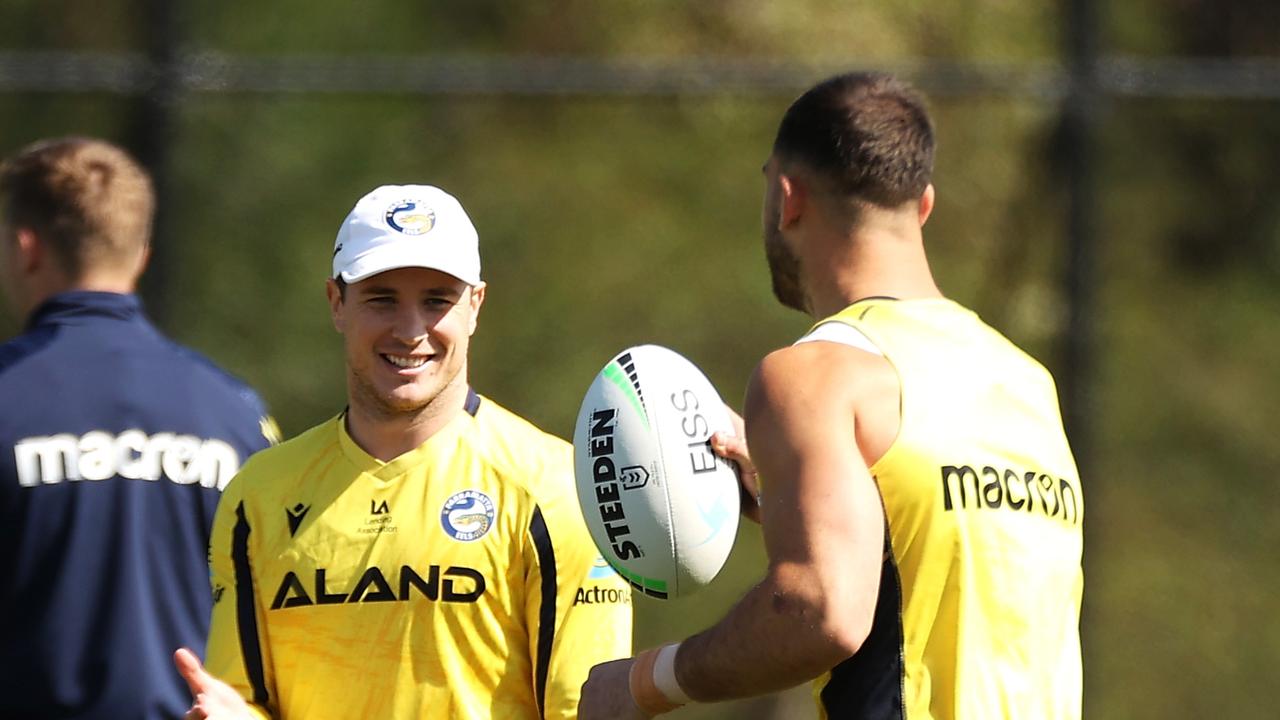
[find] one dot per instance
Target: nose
(411, 325)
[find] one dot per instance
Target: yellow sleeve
(237, 653)
(578, 610)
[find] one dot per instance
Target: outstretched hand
(606, 695)
(212, 699)
(733, 447)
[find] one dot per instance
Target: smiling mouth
(406, 363)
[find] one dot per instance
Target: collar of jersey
(398, 466)
(877, 300)
(80, 305)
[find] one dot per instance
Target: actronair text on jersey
(133, 454)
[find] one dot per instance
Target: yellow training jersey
(979, 607)
(456, 581)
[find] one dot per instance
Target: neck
(387, 435)
(883, 261)
(105, 284)
(42, 288)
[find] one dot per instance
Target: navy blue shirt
(115, 444)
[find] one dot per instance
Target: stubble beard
(784, 270)
(366, 395)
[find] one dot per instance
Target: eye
(439, 303)
(381, 300)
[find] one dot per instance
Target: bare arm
(823, 528)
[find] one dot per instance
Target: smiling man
(422, 553)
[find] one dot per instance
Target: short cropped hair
(868, 133)
(88, 200)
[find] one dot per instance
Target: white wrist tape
(664, 675)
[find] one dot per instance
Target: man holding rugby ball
(920, 504)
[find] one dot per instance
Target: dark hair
(87, 199)
(869, 133)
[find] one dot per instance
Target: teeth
(406, 362)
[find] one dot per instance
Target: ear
(794, 196)
(926, 204)
(31, 252)
(143, 260)
(336, 306)
(476, 300)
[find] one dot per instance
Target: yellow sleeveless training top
(979, 607)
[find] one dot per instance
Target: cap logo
(405, 217)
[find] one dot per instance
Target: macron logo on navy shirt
(98, 455)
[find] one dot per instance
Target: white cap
(398, 226)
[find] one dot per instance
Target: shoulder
(819, 392)
(290, 458)
(521, 452)
(220, 395)
(842, 333)
(216, 378)
(819, 369)
(1008, 359)
(22, 347)
(506, 432)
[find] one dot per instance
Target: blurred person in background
(421, 554)
(920, 504)
(115, 445)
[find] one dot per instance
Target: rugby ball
(660, 505)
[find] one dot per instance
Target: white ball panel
(662, 508)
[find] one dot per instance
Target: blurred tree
(611, 220)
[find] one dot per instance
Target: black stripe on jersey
(869, 685)
(246, 617)
(547, 614)
(472, 405)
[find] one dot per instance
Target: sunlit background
(1107, 190)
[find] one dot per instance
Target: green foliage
(75, 25)
(610, 221)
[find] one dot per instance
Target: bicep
(822, 515)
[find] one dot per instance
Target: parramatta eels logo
(405, 217)
(467, 515)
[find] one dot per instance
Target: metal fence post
(1078, 154)
(1078, 151)
(151, 135)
